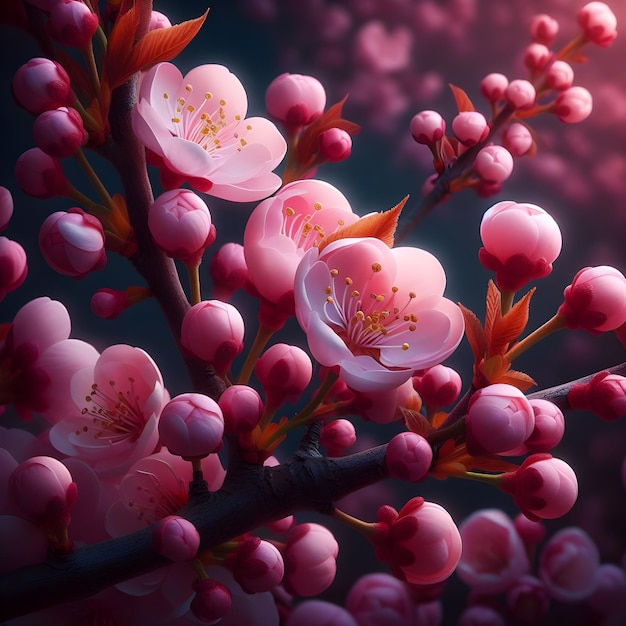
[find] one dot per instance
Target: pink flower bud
(338, 436)
(213, 331)
(609, 594)
(470, 127)
(60, 132)
(481, 615)
(559, 76)
(536, 57)
(598, 23)
(159, 20)
(421, 543)
(228, 270)
(380, 599)
(493, 556)
(6, 207)
(175, 538)
(257, 565)
(568, 565)
(242, 408)
(517, 139)
(493, 164)
(108, 303)
(520, 241)
(180, 223)
(493, 87)
(13, 266)
(284, 371)
(335, 145)
(295, 99)
(604, 394)
(438, 386)
(310, 555)
(520, 94)
(319, 613)
(549, 426)
(573, 105)
(211, 602)
(543, 487)
(427, 127)
(543, 29)
(528, 597)
(191, 425)
(72, 242)
(408, 457)
(531, 532)
(41, 85)
(596, 300)
(21, 543)
(40, 175)
(499, 418)
(72, 23)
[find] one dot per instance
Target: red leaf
(463, 103)
(493, 312)
(474, 333)
(120, 44)
(518, 379)
(416, 422)
(510, 327)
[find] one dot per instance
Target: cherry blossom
(195, 128)
(377, 313)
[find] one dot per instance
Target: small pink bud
(211, 602)
(481, 615)
(40, 175)
(493, 164)
(543, 29)
(493, 87)
(517, 139)
(319, 613)
(379, 598)
(13, 266)
(295, 99)
(175, 538)
(284, 371)
(335, 145)
(609, 594)
(41, 85)
(499, 419)
(191, 426)
(180, 223)
(338, 436)
(228, 270)
(532, 532)
(21, 543)
(528, 597)
(257, 565)
(242, 408)
(573, 105)
(60, 132)
(598, 23)
(596, 300)
(159, 20)
(72, 23)
(521, 241)
(604, 394)
(520, 94)
(559, 76)
(549, 426)
(72, 242)
(310, 555)
(438, 386)
(536, 57)
(470, 127)
(6, 207)
(543, 487)
(108, 303)
(427, 127)
(213, 331)
(408, 457)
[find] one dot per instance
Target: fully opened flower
(377, 313)
(195, 129)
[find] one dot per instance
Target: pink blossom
(211, 602)
(493, 556)
(180, 223)
(568, 565)
(609, 594)
(72, 242)
(257, 565)
(72, 23)
(310, 557)
(559, 76)
(295, 99)
(335, 145)
(521, 241)
(596, 300)
(229, 270)
(470, 127)
(520, 94)
(493, 164)
(118, 403)
(13, 266)
(527, 597)
(213, 331)
(543, 487)
(598, 23)
(380, 599)
(604, 394)
(438, 386)
(41, 85)
(499, 419)
(281, 229)
(21, 543)
(427, 127)
(60, 132)
(319, 613)
(421, 543)
(175, 538)
(40, 175)
(493, 87)
(337, 436)
(543, 29)
(196, 130)
(191, 425)
(517, 139)
(573, 105)
(242, 408)
(381, 50)
(6, 207)
(408, 457)
(376, 313)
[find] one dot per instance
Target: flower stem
(506, 300)
(194, 283)
(263, 335)
(365, 528)
(554, 323)
(94, 179)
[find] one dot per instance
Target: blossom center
(154, 501)
(303, 228)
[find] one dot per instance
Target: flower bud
(229, 270)
(41, 85)
(72, 242)
(559, 76)
(175, 538)
(598, 23)
(108, 303)
(438, 386)
(604, 394)
(481, 615)
(338, 436)
(380, 599)
(211, 602)
(543, 29)
(159, 20)
(470, 127)
(72, 23)
(532, 532)
(21, 543)
(242, 408)
(493, 87)
(335, 145)
(6, 207)
(609, 595)
(408, 457)
(13, 266)
(520, 94)
(493, 164)
(257, 565)
(40, 175)
(573, 105)
(517, 139)
(427, 127)
(536, 57)
(60, 132)
(528, 597)
(295, 99)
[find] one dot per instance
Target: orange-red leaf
(416, 422)
(509, 327)
(463, 103)
(120, 44)
(474, 333)
(518, 379)
(493, 312)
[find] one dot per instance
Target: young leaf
(493, 312)
(463, 103)
(474, 333)
(416, 422)
(510, 327)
